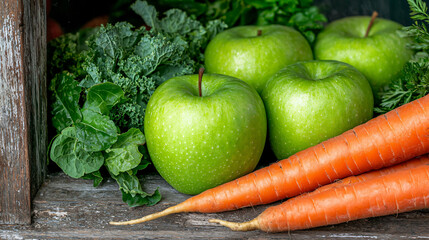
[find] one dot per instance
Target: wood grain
(23, 128)
(69, 208)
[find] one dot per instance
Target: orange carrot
(419, 161)
(389, 139)
(392, 193)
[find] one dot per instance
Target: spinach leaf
(102, 97)
(132, 137)
(97, 132)
(122, 159)
(123, 167)
(95, 176)
(141, 199)
(65, 106)
(124, 154)
(69, 153)
(132, 192)
(143, 165)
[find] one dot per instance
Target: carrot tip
(168, 211)
(244, 226)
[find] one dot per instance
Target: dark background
(396, 10)
(72, 14)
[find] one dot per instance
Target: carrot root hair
(174, 209)
(243, 226)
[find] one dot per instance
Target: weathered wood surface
(72, 209)
(23, 125)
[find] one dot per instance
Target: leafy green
(411, 85)
(132, 192)
(124, 155)
(71, 156)
(102, 80)
(64, 53)
(413, 82)
(138, 60)
(65, 100)
(97, 132)
(81, 149)
(122, 159)
(179, 26)
(95, 176)
(418, 10)
(147, 12)
(418, 31)
(132, 136)
(131, 187)
(102, 97)
(309, 22)
(143, 164)
(299, 14)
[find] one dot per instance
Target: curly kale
(302, 15)
(177, 24)
(64, 53)
(102, 80)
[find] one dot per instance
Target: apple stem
(200, 79)
(259, 33)
(373, 17)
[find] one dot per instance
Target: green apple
(309, 102)
(254, 53)
(380, 56)
(199, 142)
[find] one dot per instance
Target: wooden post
(23, 107)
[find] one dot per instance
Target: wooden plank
(36, 89)
(23, 107)
(73, 209)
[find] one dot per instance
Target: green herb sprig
(413, 82)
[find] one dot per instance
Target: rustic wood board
(23, 107)
(73, 209)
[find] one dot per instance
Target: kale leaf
(101, 82)
(64, 53)
(299, 14)
(177, 26)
